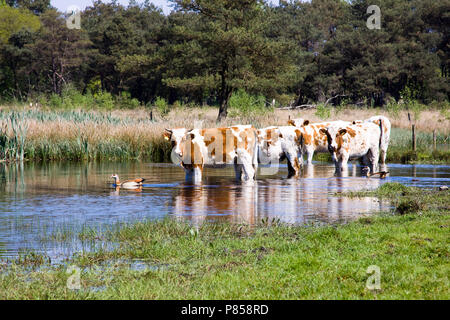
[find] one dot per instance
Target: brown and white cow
(278, 143)
(311, 139)
(355, 141)
(220, 146)
(383, 122)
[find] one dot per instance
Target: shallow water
(41, 201)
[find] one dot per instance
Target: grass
(42, 134)
(267, 261)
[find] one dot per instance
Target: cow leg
(198, 171)
(310, 155)
(194, 173)
(373, 158)
(255, 164)
(341, 163)
(383, 156)
(300, 156)
(245, 160)
(293, 166)
(238, 170)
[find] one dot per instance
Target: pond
(41, 202)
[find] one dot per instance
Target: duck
(365, 171)
(132, 184)
(382, 174)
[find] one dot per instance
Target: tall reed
(37, 134)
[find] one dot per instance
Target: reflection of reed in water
(12, 178)
(236, 203)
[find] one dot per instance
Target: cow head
(300, 122)
(336, 138)
(175, 136)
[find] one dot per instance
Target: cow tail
(255, 150)
(381, 132)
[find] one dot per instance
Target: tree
(232, 49)
(36, 6)
(13, 20)
(58, 51)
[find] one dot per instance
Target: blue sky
(62, 5)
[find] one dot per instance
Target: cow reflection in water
(235, 203)
(310, 198)
(339, 206)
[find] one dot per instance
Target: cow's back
(361, 138)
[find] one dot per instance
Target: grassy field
(43, 134)
(172, 260)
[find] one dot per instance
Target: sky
(62, 5)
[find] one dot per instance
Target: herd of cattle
(246, 147)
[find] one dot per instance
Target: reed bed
(39, 134)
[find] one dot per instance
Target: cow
(278, 143)
(310, 137)
(384, 143)
(220, 146)
(355, 141)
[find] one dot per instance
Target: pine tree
(232, 49)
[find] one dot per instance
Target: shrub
(162, 106)
(242, 103)
(104, 100)
(394, 108)
(124, 100)
(322, 111)
(55, 101)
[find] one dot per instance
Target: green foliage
(13, 20)
(104, 100)
(124, 100)
(242, 103)
(162, 106)
(394, 108)
(302, 52)
(228, 50)
(94, 86)
(322, 111)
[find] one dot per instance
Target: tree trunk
(223, 109)
(225, 94)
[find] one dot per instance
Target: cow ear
(291, 123)
(167, 134)
(191, 136)
(323, 131)
(342, 132)
(306, 122)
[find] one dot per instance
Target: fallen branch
(303, 106)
